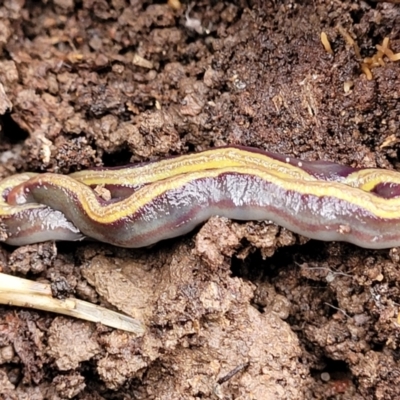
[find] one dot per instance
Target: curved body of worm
(165, 199)
(31, 223)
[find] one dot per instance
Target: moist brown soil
(233, 310)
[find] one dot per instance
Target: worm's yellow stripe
(379, 207)
(207, 160)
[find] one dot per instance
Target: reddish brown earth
(234, 310)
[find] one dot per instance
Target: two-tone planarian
(155, 201)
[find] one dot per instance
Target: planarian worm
(155, 201)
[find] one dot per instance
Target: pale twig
(25, 293)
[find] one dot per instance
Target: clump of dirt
(234, 310)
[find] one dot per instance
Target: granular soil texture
(233, 310)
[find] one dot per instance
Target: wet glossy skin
(32, 223)
(156, 201)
